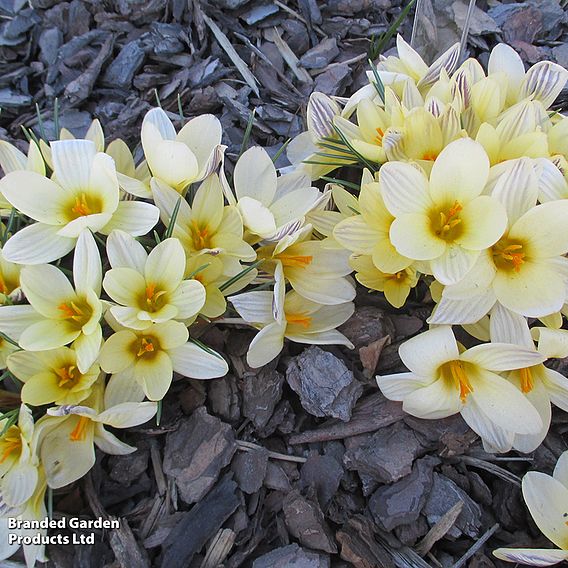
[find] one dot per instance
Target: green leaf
(246, 136)
(238, 276)
(173, 218)
(342, 182)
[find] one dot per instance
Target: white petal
(255, 176)
(425, 353)
(547, 501)
(128, 414)
(531, 556)
(192, 361)
(87, 267)
(133, 217)
(498, 438)
(454, 264)
(125, 252)
(266, 345)
(400, 385)
(404, 188)
(509, 327)
(502, 356)
(437, 400)
(254, 307)
(72, 162)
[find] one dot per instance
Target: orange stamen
(200, 236)
(430, 155)
(146, 346)
(447, 219)
(458, 374)
(66, 375)
(10, 444)
(81, 206)
(527, 383)
(297, 261)
(299, 319)
(379, 136)
(513, 254)
(80, 431)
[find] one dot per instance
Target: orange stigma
(297, 261)
(459, 376)
(81, 207)
(527, 383)
(66, 375)
(146, 346)
(80, 431)
(299, 319)
(379, 136)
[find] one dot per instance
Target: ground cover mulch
(301, 463)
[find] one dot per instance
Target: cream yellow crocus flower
(18, 462)
(149, 357)
(207, 227)
(279, 315)
(149, 287)
(66, 435)
(269, 204)
(396, 286)
(83, 194)
(546, 498)
(369, 232)
(525, 270)
(314, 271)
(445, 220)
(63, 314)
(542, 82)
(409, 63)
(33, 509)
(183, 158)
(538, 383)
(9, 279)
(51, 376)
(341, 205)
(303, 151)
(444, 380)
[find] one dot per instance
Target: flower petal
(502, 356)
(254, 307)
(459, 173)
(188, 298)
(437, 400)
(165, 266)
(454, 264)
(266, 345)
(72, 163)
(531, 556)
(547, 501)
(201, 134)
(425, 353)
(35, 196)
(125, 252)
(404, 188)
(412, 236)
(134, 217)
(155, 375)
(484, 221)
(87, 267)
(255, 176)
(192, 361)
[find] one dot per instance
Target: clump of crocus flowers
(463, 185)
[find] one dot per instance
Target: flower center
(430, 155)
(379, 137)
(527, 383)
(200, 236)
(80, 431)
(299, 319)
(10, 443)
(153, 299)
(297, 261)
(454, 373)
(147, 347)
(446, 223)
(80, 312)
(508, 255)
(84, 205)
(68, 376)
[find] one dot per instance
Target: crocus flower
(442, 381)
(83, 194)
(546, 498)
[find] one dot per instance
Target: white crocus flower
(66, 435)
(279, 315)
(442, 382)
(63, 314)
(83, 194)
(150, 287)
(542, 82)
(18, 462)
(525, 270)
(183, 158)
(547, 500)
(266, 203)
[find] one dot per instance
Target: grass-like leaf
(172, 223)
(238, 276)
